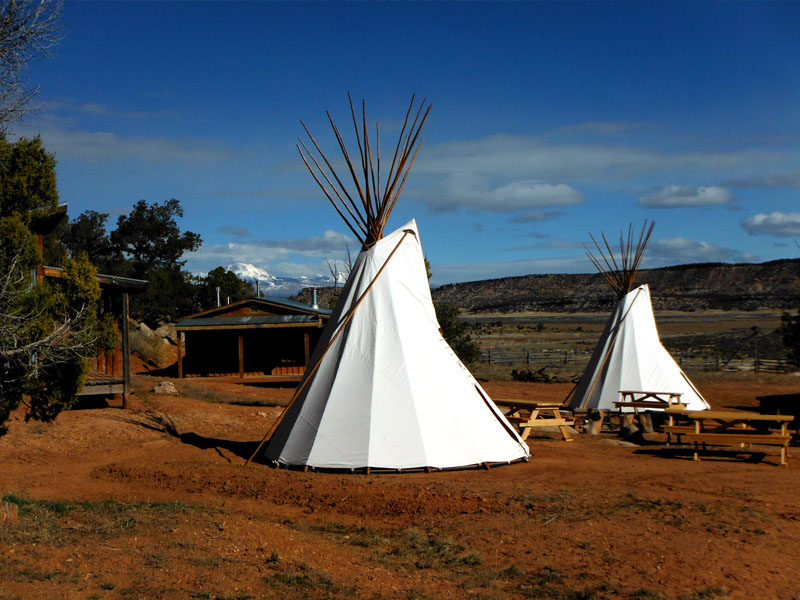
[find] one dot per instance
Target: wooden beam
(235, 378)
(126, 352)
(180, 355)
(251, 326)
(306, 348)
(241, 356)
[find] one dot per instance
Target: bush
(790, 333)
(454, 331)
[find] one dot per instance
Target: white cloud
(285, 258)
(464, 190)
(780, 224)
(790, 179)
(676, 196)
(536, 216)
(237, 232)
(330, 242)
(525, 173)
(548, 245)
(457, 272)
(600, 128)
(674, 251)
(519, 156)
(106, 146)
(663, 252)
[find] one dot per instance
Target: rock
(165, 387)
(167, 332)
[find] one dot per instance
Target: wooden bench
(677, 430)
(529, 414)
(733, 428)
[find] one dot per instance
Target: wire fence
(578, 360)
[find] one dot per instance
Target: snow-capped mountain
(250, 272)
(270, 285)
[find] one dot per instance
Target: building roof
(266, 304)
(254, 321)
(126, 283)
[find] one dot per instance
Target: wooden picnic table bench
(644, 400)
(528, 414)
(730, 428)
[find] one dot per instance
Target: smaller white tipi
(383, 389)
(629, 355)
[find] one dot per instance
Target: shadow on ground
(747, 455)
(164, 424)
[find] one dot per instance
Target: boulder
(167, 333)
(166, 387)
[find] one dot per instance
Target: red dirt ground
(594, 518)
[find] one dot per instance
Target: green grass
(303, 581)
(60, 523)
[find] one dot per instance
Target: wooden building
(255, 340)
(110, 371)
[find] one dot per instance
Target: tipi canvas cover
(389, 392)
(629, 356)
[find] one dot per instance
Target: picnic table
(529, 414)
(637, 399)
(644, 400)
(729, 428)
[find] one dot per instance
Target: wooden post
(126, 353)
(241, 355)
(180, 355)
(306, 349)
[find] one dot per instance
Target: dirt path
(153, 503)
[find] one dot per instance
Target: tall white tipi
(384, 390)
(629, 355)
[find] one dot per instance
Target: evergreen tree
(47, 328)
(454, 331)
(790, 333)
(231, 287)
(146, 244)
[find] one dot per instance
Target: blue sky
(550, 121)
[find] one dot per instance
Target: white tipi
(389, 392)
(629, 355)
(383, 389)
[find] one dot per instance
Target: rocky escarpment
(774, 284)
(703, 286)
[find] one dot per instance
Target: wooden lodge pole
(126, 353)
(180, 355)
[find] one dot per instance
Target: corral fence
(578, 361)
